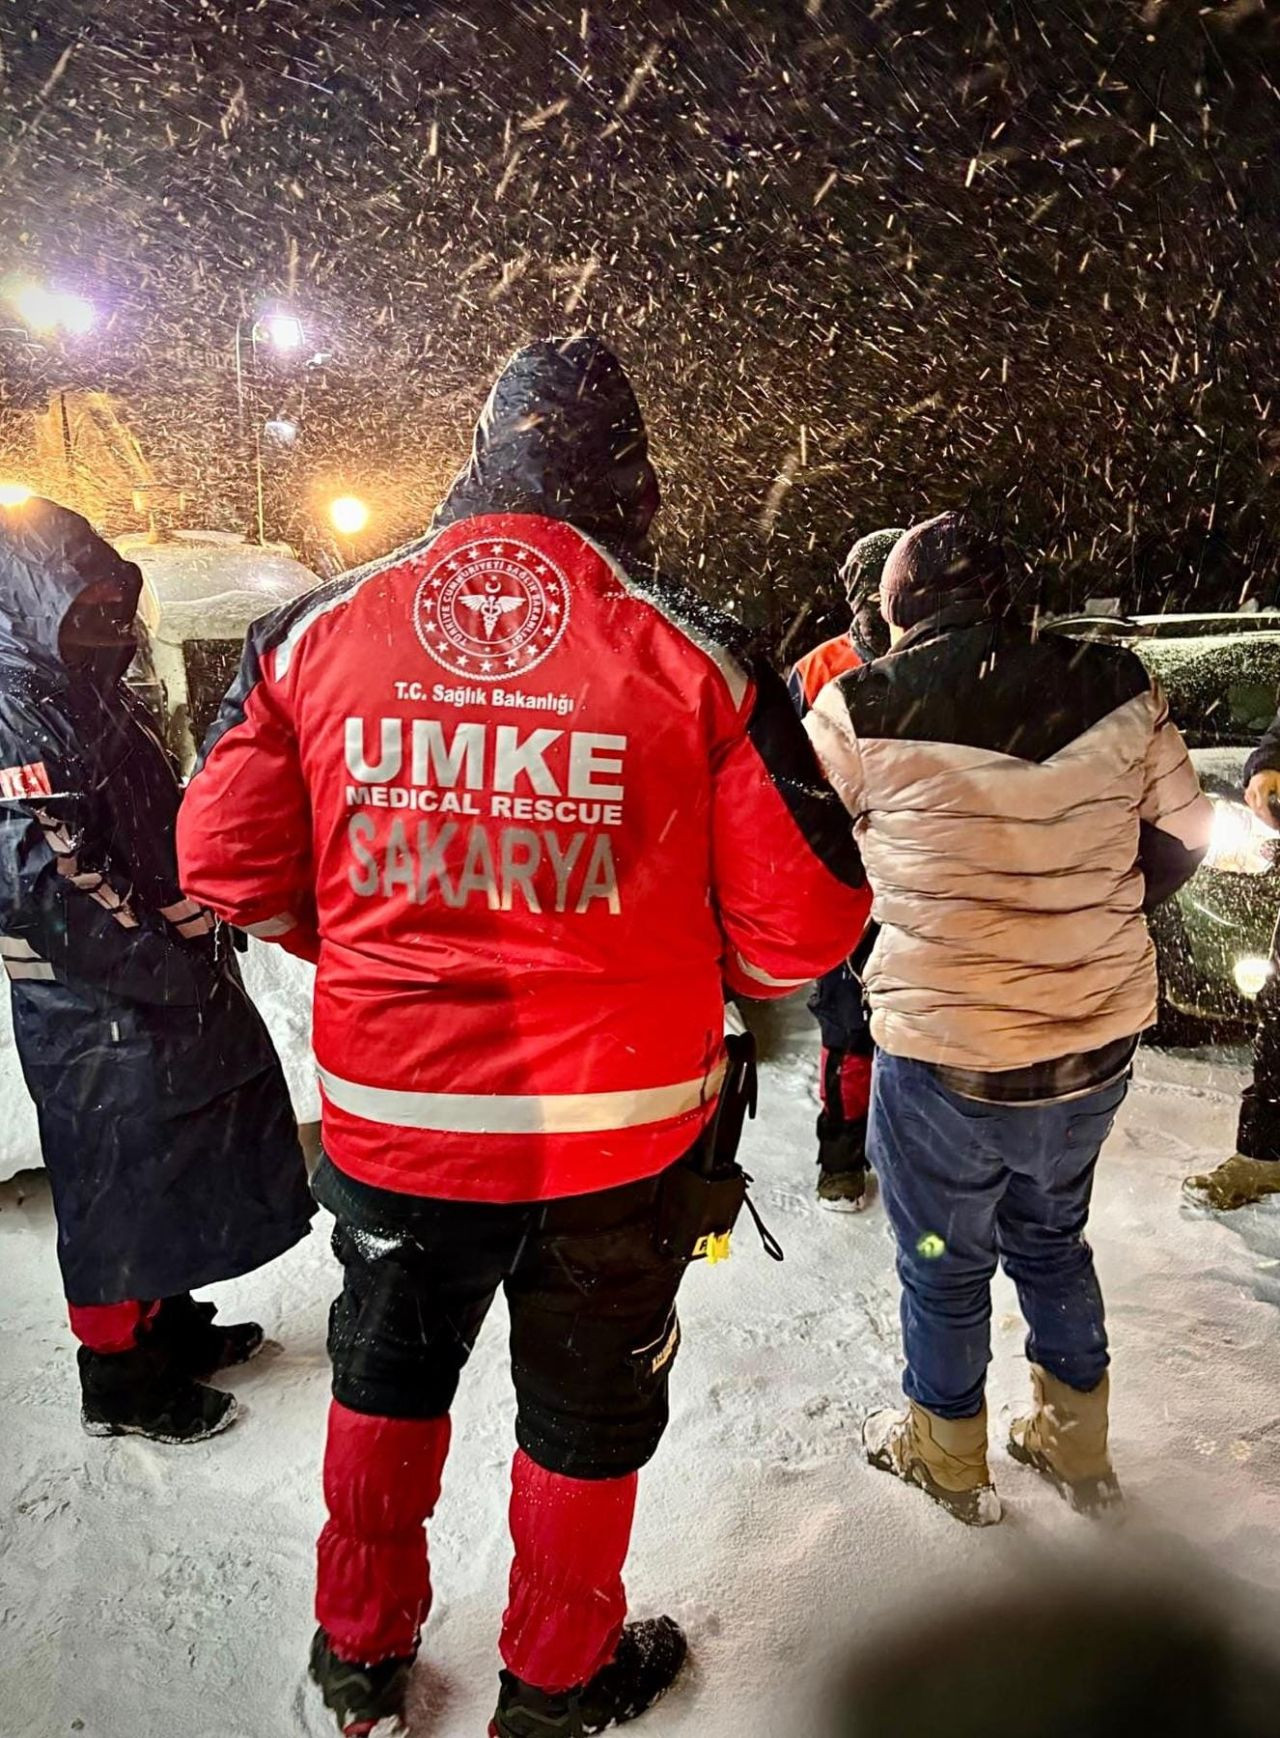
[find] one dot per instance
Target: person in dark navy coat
(165, 1122)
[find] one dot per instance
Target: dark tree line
(864, 260)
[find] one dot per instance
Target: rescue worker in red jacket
(529, 809)
(844, 1075)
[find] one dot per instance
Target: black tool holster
(702, 1196)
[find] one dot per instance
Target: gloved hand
(1263, 797)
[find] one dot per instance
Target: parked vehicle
(1221, 674)
(201, 591)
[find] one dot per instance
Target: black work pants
(1258, 1136)
(592, 1302)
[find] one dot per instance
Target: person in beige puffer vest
(1020, 800)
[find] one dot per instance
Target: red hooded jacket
(529, 811)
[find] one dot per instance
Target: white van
(201, 591)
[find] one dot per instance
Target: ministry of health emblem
(492, 609)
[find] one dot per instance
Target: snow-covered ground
(164, 1593)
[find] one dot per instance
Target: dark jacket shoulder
(994, 685)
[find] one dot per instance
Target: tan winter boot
(1237, 1182)
(946, 1457)
(1065, 1441)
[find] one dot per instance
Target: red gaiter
(567, 1602)
(381, 1484)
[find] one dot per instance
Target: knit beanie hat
(942, 562)
(862, 567)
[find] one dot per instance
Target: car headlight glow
(1251, 972)
(1239, 844)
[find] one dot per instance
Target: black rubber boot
(198, 1346)
(842, 1165)
(362, 1697)
(647, 1663)
(140, 1393)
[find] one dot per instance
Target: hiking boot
(647, 1663)
(1065, 1441)
(844, 1191)
(946, 1457)
(196, 1344)
(140, 1393)
(1238, 1182)
(842, 1167)
(365, 1699)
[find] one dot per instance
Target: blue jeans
(969, 1184)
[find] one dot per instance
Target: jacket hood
(48, 557)
(940, 565)
(860, 576)
(562, 436)
(861, 568)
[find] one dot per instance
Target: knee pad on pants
(608, 1424)
(385, 1364)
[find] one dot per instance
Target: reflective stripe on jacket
(524, 891)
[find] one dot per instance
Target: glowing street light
(348, 515)
(45, 310)
(37, 307)
(77, 315)
(282, 331)
(14, 494)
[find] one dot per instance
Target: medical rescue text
(555, 793)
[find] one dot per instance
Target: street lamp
(283, 331)
(14, 494)
(46, 310)
(348, 515)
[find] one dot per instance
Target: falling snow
(1019, 256)
(864, 261)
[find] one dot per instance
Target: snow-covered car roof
(211, 585)
(1207, 625)
(1220, 671)
(1187, 625)
(1240, 617)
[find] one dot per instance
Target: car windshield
(1222, 688)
